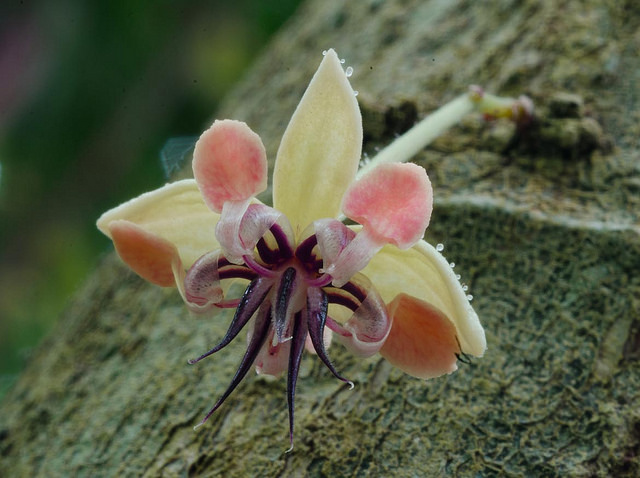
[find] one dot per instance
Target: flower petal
(422, 341)
(260, 219)
(175, 213)
(320, 150)
(202, 282)
(424, 273)
(229, 163)
(393, 202)
(150, 256)
(332, 236)
(369, 324)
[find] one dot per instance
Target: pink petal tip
(393, 202)
(229, 163)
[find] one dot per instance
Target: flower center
(290, 302)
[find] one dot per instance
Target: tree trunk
(542, 222)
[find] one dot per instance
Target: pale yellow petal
(423, 272)
(176, 213)
(320, 150)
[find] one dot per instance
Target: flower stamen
(258, 337)
(254, 295)
(317, 307)
(282, 304)
(300, 330)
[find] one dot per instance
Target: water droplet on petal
(342, 60)
(469, 297)
(324, 52)
(355, 92)
(348, 71)
(458, 276)
(465, 287)
(452, 264)
(439, 247)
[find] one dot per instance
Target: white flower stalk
(437, 123)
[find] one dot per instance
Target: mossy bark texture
(541, 222)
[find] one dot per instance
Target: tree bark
(542, 222)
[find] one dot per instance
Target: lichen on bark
(548, 242)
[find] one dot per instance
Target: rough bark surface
(542, 223)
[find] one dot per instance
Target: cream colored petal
(423, 272)
(320, 150)
(176, 213)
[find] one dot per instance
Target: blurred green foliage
(89, 93)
